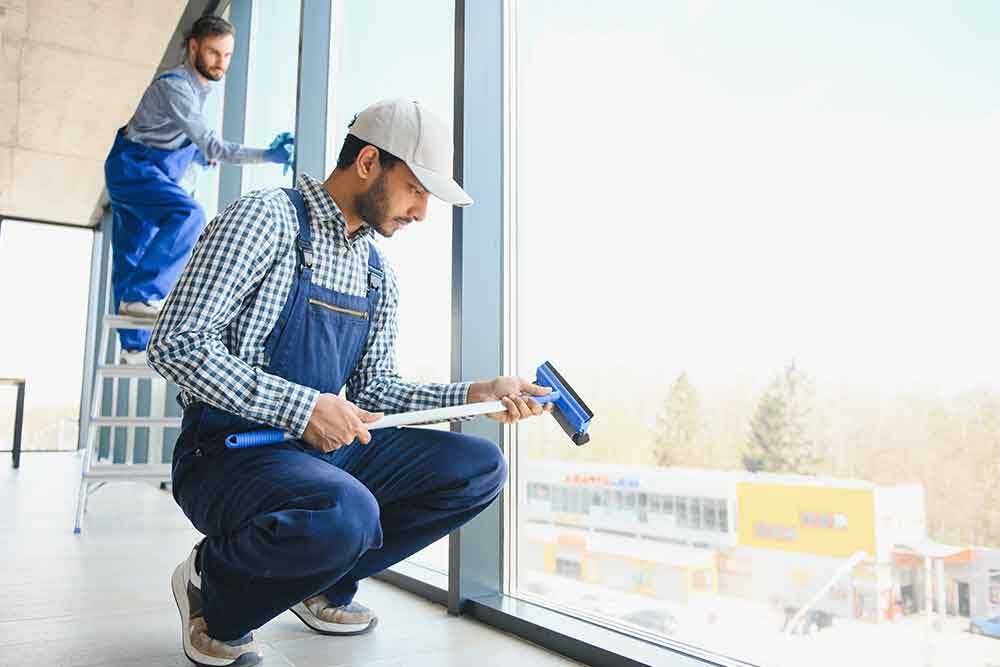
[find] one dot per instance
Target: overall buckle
(375, 277)
(305, 252)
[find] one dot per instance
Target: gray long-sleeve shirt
(170, 114)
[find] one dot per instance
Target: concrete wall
(71, 73)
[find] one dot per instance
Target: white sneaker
(349, 619)
(149, 310)
(200, 648)
(133, 357)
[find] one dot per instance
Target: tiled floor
(103, 597)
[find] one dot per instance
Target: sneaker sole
(350, 629)
(139, 316)
(178, 586)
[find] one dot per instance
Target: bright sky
(722, 187)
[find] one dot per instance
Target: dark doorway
(963, 599)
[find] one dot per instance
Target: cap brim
(442, 187)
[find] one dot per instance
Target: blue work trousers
(155, 224)
(287, 522)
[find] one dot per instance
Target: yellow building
(794, 533)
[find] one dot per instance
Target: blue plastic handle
(550, 397)
(254, 439)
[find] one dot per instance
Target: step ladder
(125, 447)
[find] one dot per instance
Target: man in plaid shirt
(285, 302)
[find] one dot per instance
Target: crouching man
(286, 301)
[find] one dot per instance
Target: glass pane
(773, 226)
(395, 65)
(272, 86)
(43, 264)
(207, 185)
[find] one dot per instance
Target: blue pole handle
(254, 439)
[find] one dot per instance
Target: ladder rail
(95, 471)
(131, 408)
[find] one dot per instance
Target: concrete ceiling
(71, 73)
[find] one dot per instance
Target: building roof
(932, 549)
(591, 474)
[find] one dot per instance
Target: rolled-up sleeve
(175, 97)
(230, 261)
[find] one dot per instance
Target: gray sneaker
(199, 646)
(349, 619)
(142, 309)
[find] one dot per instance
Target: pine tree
(677, 425)
(779, 440)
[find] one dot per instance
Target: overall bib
(155, 222)
(286, 522)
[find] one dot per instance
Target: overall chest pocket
(350, 312)
(333, 341)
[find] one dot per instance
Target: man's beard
(204, 70)
(373, 206)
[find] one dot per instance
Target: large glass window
(759, 239)
(207, 183)
(376, 57)
(44, 281)
(272, 86)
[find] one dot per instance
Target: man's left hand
(515, 393)
(200, 158)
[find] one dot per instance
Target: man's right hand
(336, 422)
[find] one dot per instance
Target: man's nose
(419, 211)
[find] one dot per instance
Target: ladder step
(111, 471)
(127, 322)
(125, 371)
(163, 422)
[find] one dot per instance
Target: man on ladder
(155, 220)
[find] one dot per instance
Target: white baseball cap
(419, 138)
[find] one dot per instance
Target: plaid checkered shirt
(210, 337)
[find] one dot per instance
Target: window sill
(579, 639)
(575, 638)
(419, 580)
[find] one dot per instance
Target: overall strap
(169, 75)
(375, 274)
(303, 242)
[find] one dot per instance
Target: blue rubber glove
(281, 151)
(200, 158)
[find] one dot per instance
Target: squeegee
(568, 408)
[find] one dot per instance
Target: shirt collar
(324, 209)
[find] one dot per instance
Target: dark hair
(209, 24)
(352, 146)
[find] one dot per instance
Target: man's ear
(367, 162)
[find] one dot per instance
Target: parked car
(814, 620)
(989, 627)
(658, 620)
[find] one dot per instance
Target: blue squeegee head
(570, 411)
